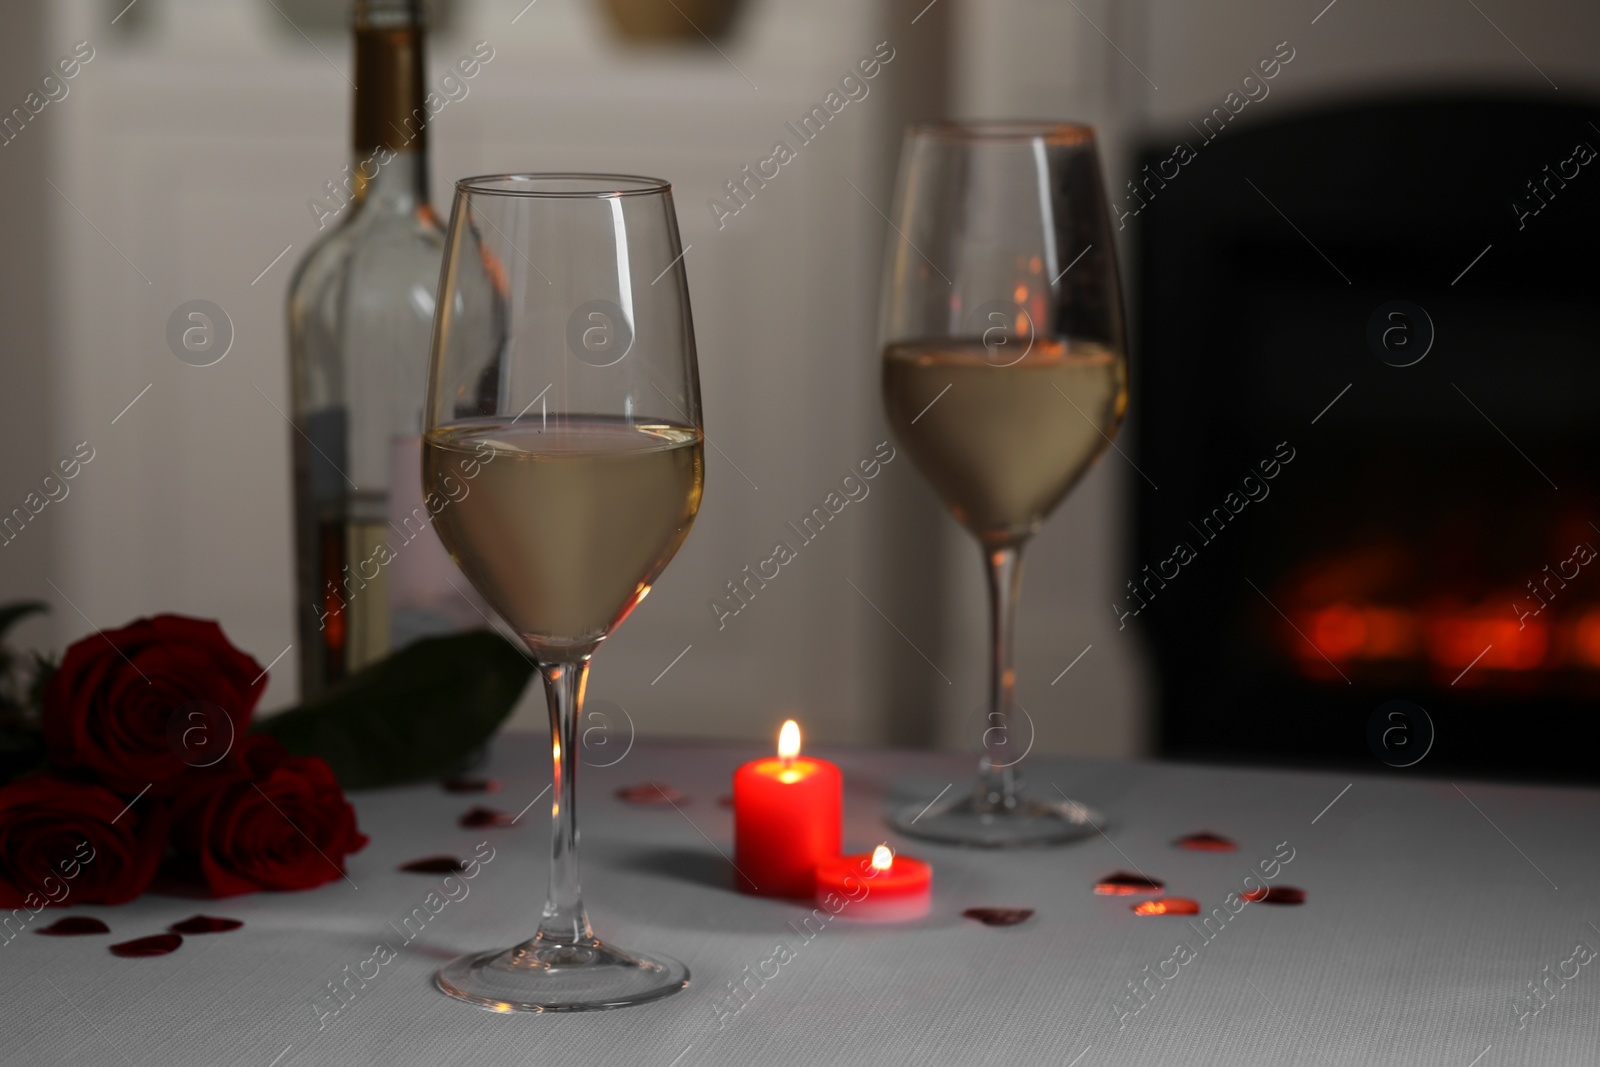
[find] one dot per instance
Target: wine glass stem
(564, 918)
(997, 778)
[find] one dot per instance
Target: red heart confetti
(481, 816)
(1275, 894)
(999, 916)
(1167, 906)
(470, 785)
(650, 793)
(155, 945)
(435, 865)
(205, 924)
(1206, 842)
(74, 926)
(1123, 884)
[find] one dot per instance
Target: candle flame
(882, 858)
(789, 740)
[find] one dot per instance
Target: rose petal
(435, 865)
(471, 785)
(481, 816)
(651, 793)
(1123, 884)
(205, 924)
(74, 926)
(154, 945)
(1275, 894)
(999, 916)
(1206, 842)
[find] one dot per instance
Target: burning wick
(789, 743)
(901, 886)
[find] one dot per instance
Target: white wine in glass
(1005, 378)
(563, 456)
(569, 528)
(995, 444)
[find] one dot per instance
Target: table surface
(1430, 909)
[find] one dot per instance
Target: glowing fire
(789, 741)
(1449, 639)
(882, 858)
(1374, 610)
(1586, 638)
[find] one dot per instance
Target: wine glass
(563, 461)
(1005, 377)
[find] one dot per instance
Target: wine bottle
(360, 319)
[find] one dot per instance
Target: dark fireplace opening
(1402, 298)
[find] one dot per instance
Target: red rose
(139, 706)
(276, 821)
(64, 841)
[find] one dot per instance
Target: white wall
(33, 442)
(192, 143)
(195, 136)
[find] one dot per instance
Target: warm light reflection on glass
(882, 858)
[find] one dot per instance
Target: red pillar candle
(786, 819)
(880, 887)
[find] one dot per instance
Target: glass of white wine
(563, 463)
(1005, 378)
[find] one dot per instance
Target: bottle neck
(390, 119)
(399, 186)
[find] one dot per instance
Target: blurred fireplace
(1433, 537)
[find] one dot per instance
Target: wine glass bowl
(563, 459)
(995, 445)
(1005, 378)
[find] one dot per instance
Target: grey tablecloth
(1430, 909)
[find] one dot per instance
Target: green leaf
(11, 614)
(411, 717)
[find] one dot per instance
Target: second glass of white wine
(564, 461)
(1004, 376)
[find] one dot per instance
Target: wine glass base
(543, 975)
(1030, 823)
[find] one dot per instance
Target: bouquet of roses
(148, 765)
(138, 755)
